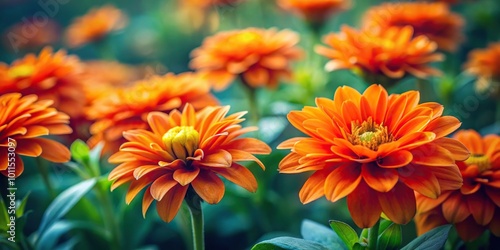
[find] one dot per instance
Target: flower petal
(168, 207)
(396, 159)
(342, 181)
(217, 159)
(456, 148)
(421, 179)
(481, 207)
(358, 201)
(443, 126)
(185, 176)
(161, 186)
(52, 150)
(209, 187)
(398, 204)
(314, 187)
(380, 179)
(455, 208)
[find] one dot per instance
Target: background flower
(315, 11)
(260, 57)
(26, 120)
(186, 150)
(476, 206)
(376, 150)
(485, 65)
(434, 20)
(126, 108)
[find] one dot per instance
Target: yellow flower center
(481, 161)
(369, 134)
(181, 141)
(246, 38)
(21, 71)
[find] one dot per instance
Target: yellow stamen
(369, 134)
(481, 161)
(181, 141)
(21, 71)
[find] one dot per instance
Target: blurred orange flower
(434, 20)
(95, 25)
(485, 65)
(376, 150)
(186, 150)
(315, 11)
(393, 53)
(198, 13)
(260, 57)
(23, 122)
(476, 206)
(127, 108)
(51, 76)
(30, 34)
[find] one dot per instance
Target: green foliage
(433, 239)
(316, 232)
(288, 243)
(390, 236)
(345, 232)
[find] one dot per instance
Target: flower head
(23, 122)
(260, 57)
(315, 11)
(476, 206)
(28, 35)
(51, 76)
(95, 25)
(127, 108)
(393, 53)
(485, 65)
(434, 20)
(375, 149)
(182, 151)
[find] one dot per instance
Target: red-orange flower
(315, 11)
(376, 150)
(126, 108)
(260, 57)
(393, 53)
(434, 20)
(95, 25)
(50, 76)
(23, 122)
(186, 150)
(485, 65)
(476, 206)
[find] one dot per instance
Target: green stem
(253, 105)
(373, 236)
(44, 172)
(108, 215)
(194, 204)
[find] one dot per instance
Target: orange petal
(314, 187)
(289, 143)
(162, 185)
(358, 201)
(239, 175)
(428, 221)
(425, 204)
(449, 177)
(209, 187)
(217, 159)
(137, 185)
(28, 148)
(455, 208)
(379, 107)
(240, 155)
(250, 145)
(472, 140)
(469, 230)
(52, 150)
(494, 195)
(398, 204)
(432, 155)
(147, 199)
(456, 148)
(342, 181)
(168, 207)
(219, 79)
(416, 139)
(494, 225)
(421, 179)
(396, 159)
(443, 126)
(159, 122)
(481, 207)
(380, 179)
(289, 164)
(185, 176)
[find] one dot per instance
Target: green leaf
(48, 240)
(95, 158)
(4, 215)
(390, 238)
(384, 224)
(358, 246)
(345, 232)
(288, 243)
(316, 232)
(433, 239)
(64, 202)
(80, 151)
(22, 206)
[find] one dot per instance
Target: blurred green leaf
(391, 237)
(316, 232)
(64, 202)
(80, 151)
(4, 216)
(288, 243)
(358, 246)
(69, 245)
(95, 159)
(345, 232)
(48, 240)
(433, 239)
(6, 243)
(22, 206)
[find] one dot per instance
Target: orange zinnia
(476, 206)
(434, 20)
(26, 120)
(376, 150)
(95, 25)
(51, 76)
(127, 108)
(393, 53)
(260, 57)
(186, 150)
(485, 65)
(315, 11)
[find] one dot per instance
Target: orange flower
(202, 13)
(260, 57)
(25, 120)
(95, 25)
(485, 65)
(126, 108)
(376, 150)
(31, 34)
(476, 206)
(434, 20)
(393, 53)
(186, 150)
(51, 76)
(315, 11)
